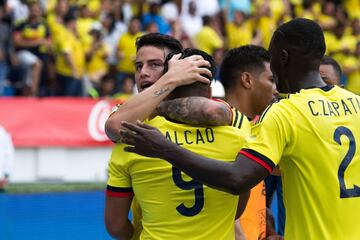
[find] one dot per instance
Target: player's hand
(188, 70)
(144, 139)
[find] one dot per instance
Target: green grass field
(54, 187)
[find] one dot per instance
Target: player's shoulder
(239, 120)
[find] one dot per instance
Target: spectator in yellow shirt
(70, 60)
(208, 40)
(126, 51)
(239, 32)
(351, 68)
(96, 55)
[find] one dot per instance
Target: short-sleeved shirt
(208, 40)
(173, 205)
(33, 31)
(314, 136)
(68, 43)
(127, 46)
(238, 35)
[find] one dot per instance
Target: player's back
(173, 205)
(321, 163)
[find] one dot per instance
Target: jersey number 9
(198, 191)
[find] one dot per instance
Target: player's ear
(246, 80)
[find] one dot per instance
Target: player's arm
(196, 111)
(271, 135)
(243, 199)
(116, 216)
(237, 177)
(141, 106)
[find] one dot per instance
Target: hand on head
(188, 70)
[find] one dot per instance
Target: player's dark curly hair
(196, 88)
(302, 36)
(248, 58)
(190, 52)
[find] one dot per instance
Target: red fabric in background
(55, 122)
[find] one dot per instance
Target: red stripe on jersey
(258, 160)
(119, 194)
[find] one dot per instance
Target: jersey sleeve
(269, 138)
(119, 181)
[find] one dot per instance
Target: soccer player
(330, 70)
(153, 85)
(313, 135)
(173, 205)
(250, 88)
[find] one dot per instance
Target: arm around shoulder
(197, 111)
(138, 107)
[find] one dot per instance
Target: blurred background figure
(19, 9)
(153, 16)
(127, 87)
(113, 29)
(70, 59)
(6, 50)
(330, 71)
(126, 52)
(191, 21)
(7, 155)
(208, 39)
(96, 56)
(352, 71)
(104, 89)
(32, 41)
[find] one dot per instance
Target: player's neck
(240, 102)
(308, 80)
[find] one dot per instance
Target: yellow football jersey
(314, 136)
(174, 206)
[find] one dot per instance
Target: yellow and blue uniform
(314, 136)
(173, 205)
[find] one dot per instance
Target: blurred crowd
(87, 47)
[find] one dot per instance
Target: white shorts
(27, 58)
